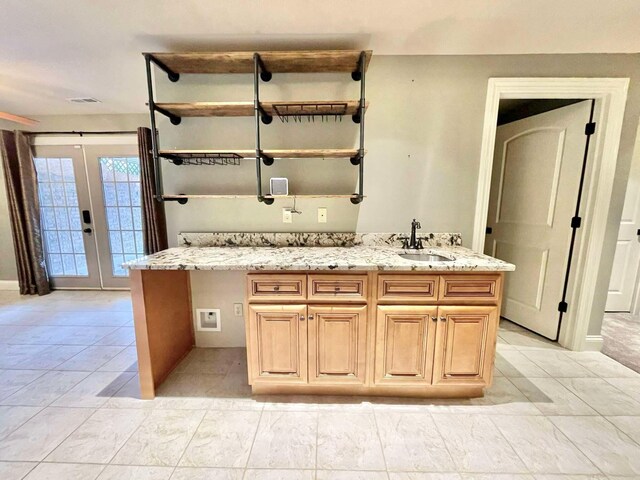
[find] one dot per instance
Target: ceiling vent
(83, 100)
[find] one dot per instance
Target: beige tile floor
(69, 409)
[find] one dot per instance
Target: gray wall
(53, 123)
(424, 129)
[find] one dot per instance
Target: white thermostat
(279, 186)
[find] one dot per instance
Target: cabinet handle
(443, 319)
(310, 317)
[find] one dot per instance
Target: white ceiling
(54, 49)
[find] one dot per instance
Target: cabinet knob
(337, 289)
(443, 319)
(310, 317)
(276, 288)
(302, 318)
(435, 319)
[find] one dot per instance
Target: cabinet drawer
(349, 288)
(276, 287)
(470, 288)
(408, 288)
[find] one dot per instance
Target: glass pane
(46, 200)
(67, 170)
(122, 190)
(60, 216)
(78, 242)
(121, 193)
(81, 265)
(116, 265)
(113, 222)
(135, 194)
(65, 241)
(55, 265)
(69, 265)
(109, 190)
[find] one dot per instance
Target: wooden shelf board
(176, 197)
(245, 109)
(310, 196)
(273, 153)
(209, 109)
(203, 196)
(304, 61)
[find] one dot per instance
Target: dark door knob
(87, 230)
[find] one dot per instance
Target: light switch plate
(322, 215)
(237, 309)
(287, 216)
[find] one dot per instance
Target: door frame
(611, 94)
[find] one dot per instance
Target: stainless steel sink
(425, 257)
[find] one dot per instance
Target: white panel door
(624, 275)
(535, 181)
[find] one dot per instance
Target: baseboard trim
(593, 343)
(9, 285)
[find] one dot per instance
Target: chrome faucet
(412, 242)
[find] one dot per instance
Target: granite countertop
(357, 257)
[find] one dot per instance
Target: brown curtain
(154, 221)
(24, 212)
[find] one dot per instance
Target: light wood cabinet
(278, 343)
(405, 337)
(465, 345)
(408, 334)
(337, 344)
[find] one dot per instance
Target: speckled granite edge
(378, 258)
(306, 239)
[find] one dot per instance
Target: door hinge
(590, 128)
(563, 306)
(576, 222)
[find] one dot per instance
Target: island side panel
(162, 318)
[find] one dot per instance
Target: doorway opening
(610, 97)
(621, 323)
(91, 212)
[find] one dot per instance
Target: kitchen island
(353, 319)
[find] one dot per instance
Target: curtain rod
(82, 133)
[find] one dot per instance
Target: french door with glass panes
(91, 214)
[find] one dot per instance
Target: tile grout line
(189, 442)
(384, 457)
(253, 442)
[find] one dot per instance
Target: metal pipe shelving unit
(241, 62)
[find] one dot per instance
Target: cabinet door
(278, 343)
(465, 345)
(337, 344)
(405, 338)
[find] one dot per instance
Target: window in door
(60, 216)
(121, 195)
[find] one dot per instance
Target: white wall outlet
(322, 215)
(208, 320)
(237, 309)
(287, 216)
